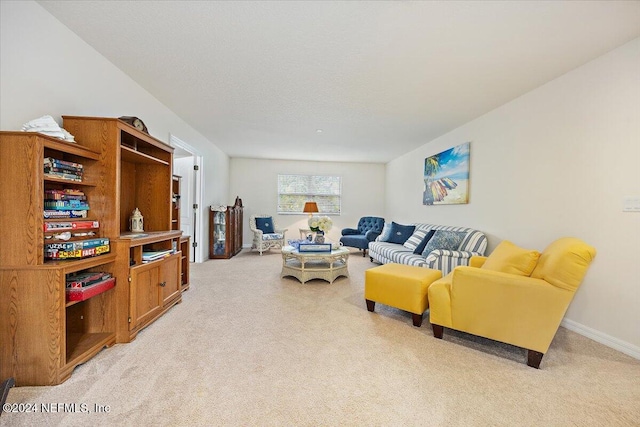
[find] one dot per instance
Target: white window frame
(310, 196)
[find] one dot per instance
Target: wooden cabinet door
(169, 277)
(146, 299)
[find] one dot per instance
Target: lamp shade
(310, 207)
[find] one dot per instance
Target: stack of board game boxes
(76, 249)
(84, 285)
(59, 234)
(67, 203)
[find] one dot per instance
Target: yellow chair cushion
(564, 263)
(512, 259)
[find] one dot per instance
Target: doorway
(187, 164)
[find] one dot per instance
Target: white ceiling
(379, 78)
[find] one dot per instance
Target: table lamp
(310, 208)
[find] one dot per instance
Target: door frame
(198, 222)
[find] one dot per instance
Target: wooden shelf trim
(71, 266)
(152, 237)
(82, 347)
(133, 156)
(60, 145)
(70, 182)
(70, 148)
(126, 127)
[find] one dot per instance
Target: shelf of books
(59, 205)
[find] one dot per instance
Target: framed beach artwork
(446, 177)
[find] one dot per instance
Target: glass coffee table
(314, 265)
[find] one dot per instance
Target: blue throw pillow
(444, 239)
(400, 233)
(420, 248)
(386, 233)
(265, 224)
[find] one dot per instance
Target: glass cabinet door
(219, 233)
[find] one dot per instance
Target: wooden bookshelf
(142, 173)
(43, 338)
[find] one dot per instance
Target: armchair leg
(534, 358)
(437, 331)
(364, 253)
(371, 305)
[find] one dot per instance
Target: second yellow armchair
(520, 300)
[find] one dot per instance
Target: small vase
(320, 237)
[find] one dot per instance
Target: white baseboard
(602, 338)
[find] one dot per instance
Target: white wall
(555, 162)
(256, 182)
(46, 69)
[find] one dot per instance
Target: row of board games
(69, 203)
(66, 203)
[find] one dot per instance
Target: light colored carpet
(247, 348)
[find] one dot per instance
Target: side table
(304, 232)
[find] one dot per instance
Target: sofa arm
(446, 260)
(520, 310)
(371, 235)
(349, 231)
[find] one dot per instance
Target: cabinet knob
(163, 284)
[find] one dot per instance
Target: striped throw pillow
(415, 239)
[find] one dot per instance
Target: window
(295, 190)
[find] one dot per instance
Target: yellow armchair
(524, 308)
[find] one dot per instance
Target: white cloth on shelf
(67, 136)
(47, 126)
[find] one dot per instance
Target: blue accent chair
(369, 227)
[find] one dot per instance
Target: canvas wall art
(446, 177)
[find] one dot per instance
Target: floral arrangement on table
(320, 224)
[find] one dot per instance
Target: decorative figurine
(136, 221)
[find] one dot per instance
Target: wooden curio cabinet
(239, 218)
(225, 230)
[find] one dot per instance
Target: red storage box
(81, 294)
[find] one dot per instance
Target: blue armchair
(369, 227)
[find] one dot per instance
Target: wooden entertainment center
(45, 336)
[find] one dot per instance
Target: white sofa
(474, 243)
